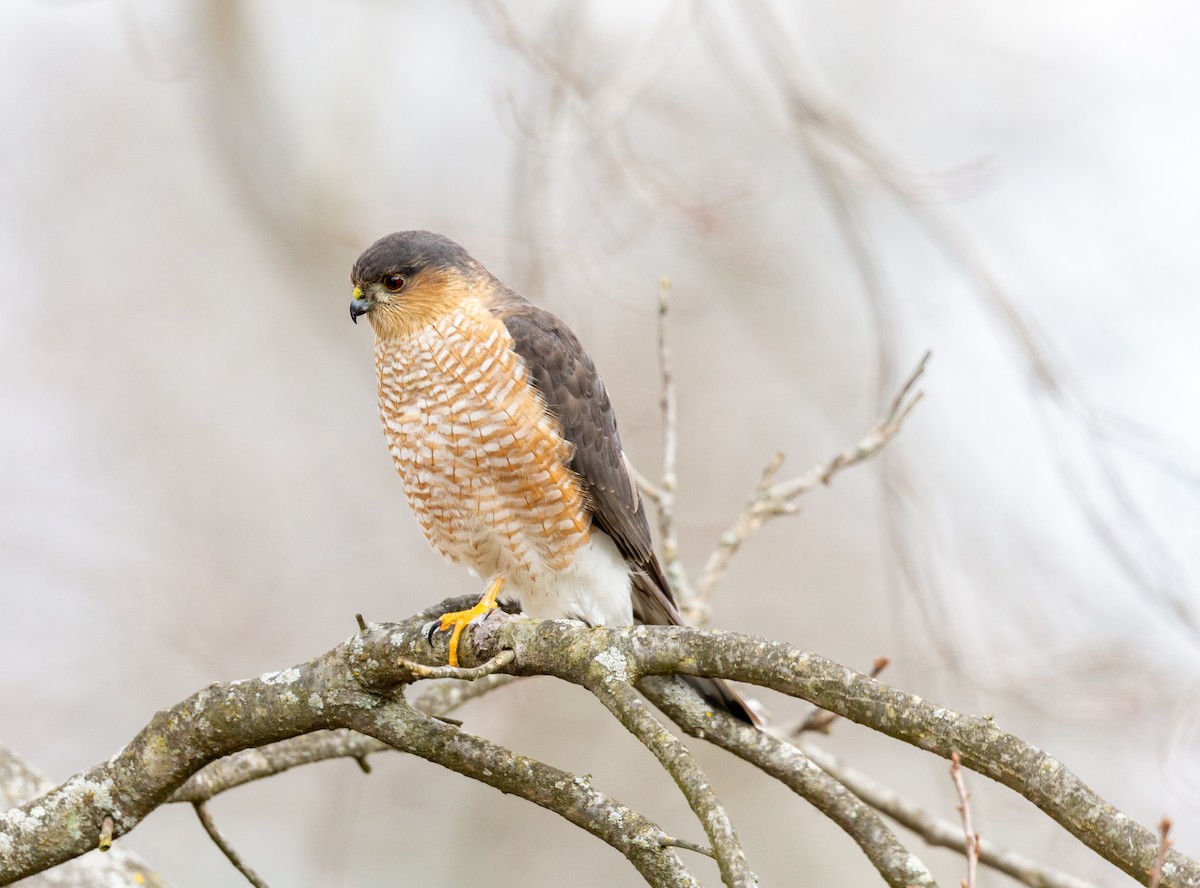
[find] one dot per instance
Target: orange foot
(458, 620)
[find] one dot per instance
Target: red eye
(393, 282)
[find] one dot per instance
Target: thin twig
(669, 484)
(935, 830)
(1164, 848)
(770, 499)
(106, 834)
(970, 837)
(210, 827)
(464, 673)
(686, 845)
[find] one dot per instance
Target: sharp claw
(428, 629)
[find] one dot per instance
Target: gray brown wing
(567, 380)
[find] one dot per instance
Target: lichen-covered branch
(614, 690)
(556, 648)
(898, 866)
(120, 868)
(275, 758)
(329, 692)
(358, 686)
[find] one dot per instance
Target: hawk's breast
(484, 464)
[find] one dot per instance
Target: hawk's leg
(458, 620)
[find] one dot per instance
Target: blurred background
(193, 483)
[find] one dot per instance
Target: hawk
(507, 444)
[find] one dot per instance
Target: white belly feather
(594, 587)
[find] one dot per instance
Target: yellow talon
(458, 620)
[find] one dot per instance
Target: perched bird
(503, 434)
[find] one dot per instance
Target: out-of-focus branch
(770, 499)
(935, 830)
(842, 147)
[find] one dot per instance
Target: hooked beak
(360, 305)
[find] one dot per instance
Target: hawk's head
(409, 279)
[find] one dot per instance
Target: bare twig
(464, 673)
(221, 842)
(664, 494)
(686, 845)
(770, 499)
(1164, 847)
(935, 830)
(106, 833)
(970, 837)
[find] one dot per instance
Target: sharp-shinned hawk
(503, 434)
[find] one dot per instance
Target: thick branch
(330, 691)
(361, 677)
(255, 764)
(119, 868)
(558, 648)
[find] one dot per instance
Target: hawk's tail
(720, 695)
(654, 605)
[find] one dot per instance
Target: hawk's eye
(393, 282)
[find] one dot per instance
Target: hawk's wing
(566, 378)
